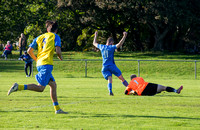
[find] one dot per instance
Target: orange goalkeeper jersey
(137, 84)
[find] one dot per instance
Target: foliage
(32, 31)
(151, 24)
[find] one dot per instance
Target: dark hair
(52, 26)
(133, 76)
(48, 22)
(110, 39)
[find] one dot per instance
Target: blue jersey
(26, 58)
(107, 52)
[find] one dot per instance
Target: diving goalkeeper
(138, 86)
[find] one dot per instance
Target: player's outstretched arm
(122, 40)
(32, 55)
(95, 39)
(59, 53)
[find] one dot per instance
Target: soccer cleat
(111, 94)
(13, 88)
(179, 90)
(60, 111)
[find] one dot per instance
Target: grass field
(88, 102)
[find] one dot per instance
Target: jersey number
(105, 54)
(44, 43)
(136, 82)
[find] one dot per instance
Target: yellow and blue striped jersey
(46, 44)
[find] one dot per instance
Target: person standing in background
(28, 63)
(22, 43)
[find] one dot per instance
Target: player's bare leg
(124, 82)
(53, 94)
(32, 87)
(161, 88)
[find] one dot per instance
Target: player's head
(52, 26)
(25, 52)
(133, 76)
(110, 41)
(22, 35)
(8, 42)
(47, 23)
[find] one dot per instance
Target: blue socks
(110, 87)
(56, 106)
(25, 87)
(125, 83)
(55, 103)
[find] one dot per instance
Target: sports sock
(125, 83)
(170, 89)
(110, 87)
(22, 87)
(56, 106)
(25, 87)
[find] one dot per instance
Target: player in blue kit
(46, 44)
(109, 67)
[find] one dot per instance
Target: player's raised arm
(95, 39)
(32, 55)
(58, 52)
(122, 40)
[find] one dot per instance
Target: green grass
(90, 107)
(124, 55)
(88, 102)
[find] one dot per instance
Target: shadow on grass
(131, 116)
(177, 95)
(11, 66)
(82, 76)
(25, 111)
(138, 116)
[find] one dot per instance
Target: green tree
(151, 24)
(24, 17)
(169, 16)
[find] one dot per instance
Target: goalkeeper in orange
(138, 86)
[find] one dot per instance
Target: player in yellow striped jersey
(46, 44)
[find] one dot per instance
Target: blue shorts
(44, 74)
(109, 70)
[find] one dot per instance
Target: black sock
(170, 89)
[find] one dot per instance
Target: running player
(138, 86)
(46, 44)
(109, 67)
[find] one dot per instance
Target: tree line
(158, 25)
